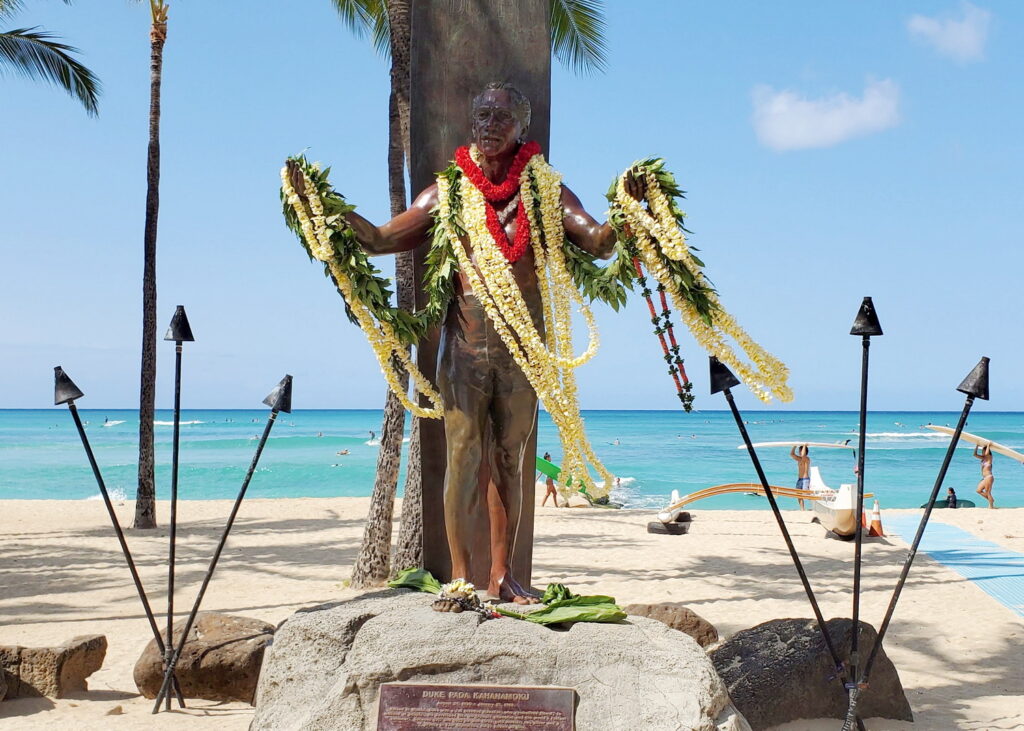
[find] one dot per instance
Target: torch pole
(279, 400)
(723, 380)
(120, 538)
(917, 538)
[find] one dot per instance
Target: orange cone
(875, 530)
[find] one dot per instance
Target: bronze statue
(480, 384)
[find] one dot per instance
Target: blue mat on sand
(996, 570)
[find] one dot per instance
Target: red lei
(500, 192)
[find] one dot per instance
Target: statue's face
(496, 128)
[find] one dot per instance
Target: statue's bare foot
(507, 589)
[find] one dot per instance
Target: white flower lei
(658, 234)
(385, 344)
(547, 364)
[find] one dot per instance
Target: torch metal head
(280, 399)
(722, 378)
(64, 389)
(976, 383)
(866, 322)
(179, 330)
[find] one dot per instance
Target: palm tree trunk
(145, 506)
(373, 563)
(409, 549)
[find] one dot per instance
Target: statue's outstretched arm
(404, 232)
(597, 239)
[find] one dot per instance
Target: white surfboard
(980, 441)
(817, 445)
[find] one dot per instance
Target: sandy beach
(62, 574)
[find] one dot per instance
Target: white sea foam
(372, 443)
(117, 495)
(115, 422)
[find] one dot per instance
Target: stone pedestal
(327, 663)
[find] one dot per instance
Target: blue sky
(829, 151)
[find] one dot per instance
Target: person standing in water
(803, 467)
(985, 486)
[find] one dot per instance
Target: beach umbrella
(179, 331)
(866, 325)
(974, 386)
(280, 399)
(722, 381)
(66, 392)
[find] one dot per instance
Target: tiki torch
(65, 392)
(722, 379)
(280, 399)
(866, 325)
(975, 385)
(179, 331)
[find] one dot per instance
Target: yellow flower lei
(317, 231)
(658, 234)
(547, 363)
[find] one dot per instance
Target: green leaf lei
(367, 283)
(695, 292)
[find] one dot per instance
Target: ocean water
(653, 452)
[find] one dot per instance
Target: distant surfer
(803, 467)
(550, 483)
(951, 498)
(985, 486)
(342, 452)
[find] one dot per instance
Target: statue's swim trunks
(473, 355)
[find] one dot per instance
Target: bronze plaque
(419, 707)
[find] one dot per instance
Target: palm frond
(10, 7)
(35, 54)
(577, 35)
(382, 30)
(361, 16)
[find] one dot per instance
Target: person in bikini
(985, 486)
(803, 467)
(550, 483)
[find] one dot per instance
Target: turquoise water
(653, 452)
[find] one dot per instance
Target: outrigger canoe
(678, 503)
(836, 510)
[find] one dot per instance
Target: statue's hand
(297, 180)
(636, 183)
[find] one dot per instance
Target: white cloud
(784, 120)
(962, 40)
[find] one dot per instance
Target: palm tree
(35, 53)
(145, 496)
(577, 40)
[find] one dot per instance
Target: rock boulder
(678, 618)
(51, 671)
(326, 664)
(781, 671)
(220, 662)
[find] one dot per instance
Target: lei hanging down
(653, 238)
